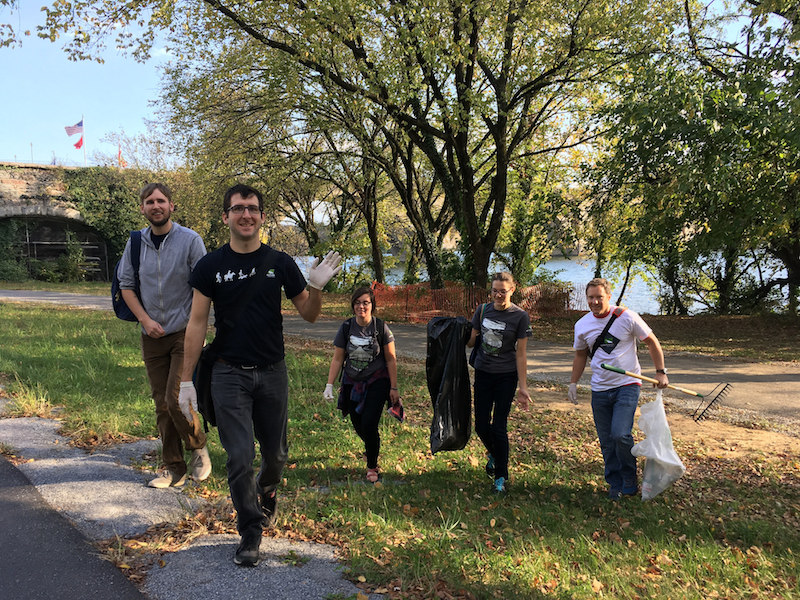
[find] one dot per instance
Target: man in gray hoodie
(168, 254)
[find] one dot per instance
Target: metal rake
(709, 400)
(714, 398)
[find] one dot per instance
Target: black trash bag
(448, 382)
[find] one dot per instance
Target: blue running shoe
(490, 467)
(499, 485)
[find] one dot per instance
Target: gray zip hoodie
(164, 275)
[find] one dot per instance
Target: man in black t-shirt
(249, 386)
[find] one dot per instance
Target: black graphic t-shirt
(364, 355)
(222, 275)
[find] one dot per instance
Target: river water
(639, 296)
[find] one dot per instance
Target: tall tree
(468, 81)
(710, 135)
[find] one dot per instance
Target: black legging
(494, 390)
(366, 423)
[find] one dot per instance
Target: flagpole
(84, 140)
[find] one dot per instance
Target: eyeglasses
(240, 208)
(364, 303)
(501, 292)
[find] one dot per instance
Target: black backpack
(120, 308)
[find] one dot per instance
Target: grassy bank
(727, 529)
(758, 338)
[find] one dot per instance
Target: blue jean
(248, 401)
(613, 412)
(494, 391)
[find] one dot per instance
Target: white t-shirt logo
(492, 335)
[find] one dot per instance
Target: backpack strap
(136, 248)
(379, 331)
(599, 340)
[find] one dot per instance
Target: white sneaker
(167, 479)
(200, 464)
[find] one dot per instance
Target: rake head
(713, 399)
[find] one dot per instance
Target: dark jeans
(249, 401)
(163, 361)
(494, 391)
(613, 412)
(366, 423)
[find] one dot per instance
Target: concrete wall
(34, 190)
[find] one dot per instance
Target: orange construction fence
(418, 303)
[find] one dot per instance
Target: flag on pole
(73, 129)
(79, 143)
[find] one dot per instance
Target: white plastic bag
(662, 467)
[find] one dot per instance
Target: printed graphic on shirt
(608, 343)
(360, 352)
(492, 335)
(231, 276)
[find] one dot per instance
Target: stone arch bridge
(35, 195)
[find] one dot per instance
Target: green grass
(93, 288)
(727, 529)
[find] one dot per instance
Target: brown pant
(163, 360)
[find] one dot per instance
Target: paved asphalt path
(43, 555)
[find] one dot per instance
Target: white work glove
(187, 400)
(321, 273)
(328, 393)
(572, 393)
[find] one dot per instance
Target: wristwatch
(662, 371)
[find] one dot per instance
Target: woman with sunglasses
(501, 367)
(364, 350)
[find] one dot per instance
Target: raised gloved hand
(321, 273)
(572, 393)
(187, 400)
(328, 393)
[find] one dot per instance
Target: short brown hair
(360, 291)
(504, 276)
(599, 282)
(152, 187)
(245, 191)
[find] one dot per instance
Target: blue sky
(44, 92)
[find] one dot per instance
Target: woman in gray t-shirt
(364, 351)
(501, 368)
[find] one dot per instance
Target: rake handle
(650, 379)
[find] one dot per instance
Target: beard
(159, 220)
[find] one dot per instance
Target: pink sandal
(373, 475)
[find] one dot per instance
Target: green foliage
(11, 266)
(531, 228)
(453, 267)
(108, 199)
(70, 265)
(705, 167)
(472, 86)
